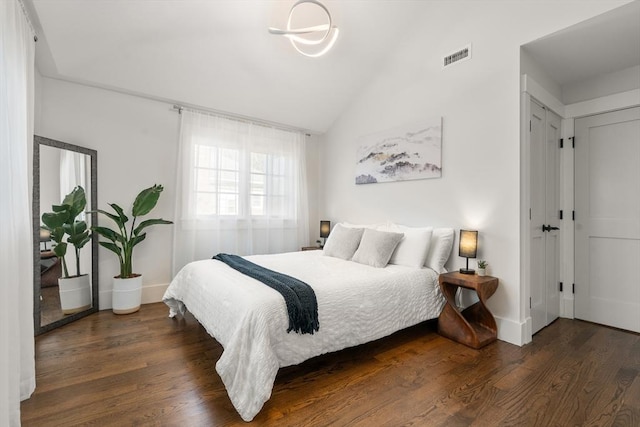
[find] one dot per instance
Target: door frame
(530, 88)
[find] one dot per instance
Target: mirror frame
(37, 142)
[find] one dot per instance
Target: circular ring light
(296, 36)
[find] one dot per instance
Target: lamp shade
(325, 228)
(468, 243)
(45, 235)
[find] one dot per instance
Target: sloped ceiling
(217, 54)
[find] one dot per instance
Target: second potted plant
(75, 290)
(127, 286)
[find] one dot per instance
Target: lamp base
(467, 271)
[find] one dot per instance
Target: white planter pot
(127, 294)
(75, 293)
(482, 272)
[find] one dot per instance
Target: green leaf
(60, 249)
(83, 242)
(76, 200)
(112, 247)
(108, 233)
(115, 218)
(56, 234)
(55, 219)
(78, 240)
(138, 239)
(60, 208)
(146, 200)
(122, 217)
(149, 222)
(78, 227)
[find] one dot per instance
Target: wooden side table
(311, 248)
(475, 325)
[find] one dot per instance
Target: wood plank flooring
(147, 369)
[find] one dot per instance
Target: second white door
(607, 226)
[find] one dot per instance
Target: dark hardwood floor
(147, 369)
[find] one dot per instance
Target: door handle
(549, 228)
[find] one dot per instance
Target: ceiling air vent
(461, 55)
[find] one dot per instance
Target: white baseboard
(153, 293)
(514, 332)
(150, 294)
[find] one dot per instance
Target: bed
(357, 303)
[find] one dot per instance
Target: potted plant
(75, 291)
(482, 267)
(127, 286)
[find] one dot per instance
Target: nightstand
(475, 325)
(311, 248)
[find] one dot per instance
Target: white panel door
(544, 139)
(552, 217)
(607, 226)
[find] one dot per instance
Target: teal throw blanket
(301, 302)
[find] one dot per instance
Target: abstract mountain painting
(401, 154)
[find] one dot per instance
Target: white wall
(479, 101)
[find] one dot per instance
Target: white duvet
(356, 304)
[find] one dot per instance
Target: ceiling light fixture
(297, 36)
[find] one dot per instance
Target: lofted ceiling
(218, 54)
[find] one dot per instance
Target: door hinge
(573, 288)
(573, 142)
(560, 286)
(529, 303)
(561, 214)
(573, 215)
(561, 142)
(529, 213)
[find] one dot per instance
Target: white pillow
(376, 247)
(349, 225)
(342, 242)
(413, 249)
(441, 244)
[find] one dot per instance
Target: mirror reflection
(65, 274)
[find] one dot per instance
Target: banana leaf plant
(123, 240)
(63, 222)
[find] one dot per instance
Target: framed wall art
(404, 153)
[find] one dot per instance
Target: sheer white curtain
(73, 173)
(17, 362)
(241, 189)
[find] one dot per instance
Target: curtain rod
(239, 118)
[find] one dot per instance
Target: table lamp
(325, 229)
(468, 248)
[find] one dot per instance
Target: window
(241, 188)
(219, 176)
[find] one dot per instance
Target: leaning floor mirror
(65, 194)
